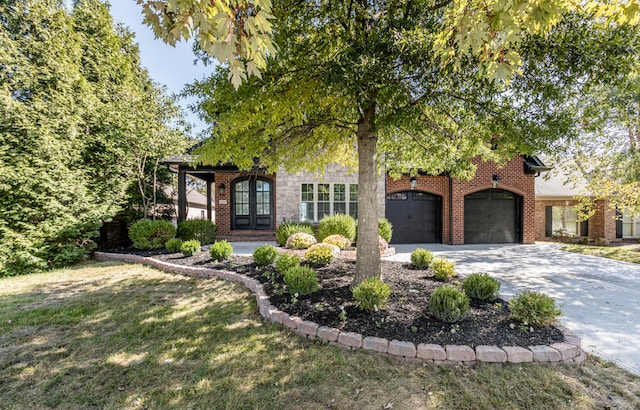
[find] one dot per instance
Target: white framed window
(630, 225)
(320, 199)
(565, 218)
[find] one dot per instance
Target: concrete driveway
(600, 298)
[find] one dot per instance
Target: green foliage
(602, 242)
(481, 286)
(149, 234)
(372, 294)
(287, 261)
(443, 269)
(421, 258)
(201, 229)
(284, 231)
(321, 253)
(220, 251)
(338, 224)
(534, 308)
(173, 245)
(340, 241)
(385, 229)
(190, 247)
(265, 255)
(448, 304)
(300, 240)
(301, 280)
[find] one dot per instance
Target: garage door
(492, 216)
(416, 217)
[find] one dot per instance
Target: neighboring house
(196, 203)
(496, 206)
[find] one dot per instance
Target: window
(630, 225)
(319, 200)
(563, 218)
(263, 199)
(397, 196)
(242, 198)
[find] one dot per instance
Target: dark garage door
(492, 216)
(416, 217)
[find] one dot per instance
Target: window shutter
(584, 228)
(618, 224)
(548, 221)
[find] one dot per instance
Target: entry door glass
(263, 198)
(242, 198)
(252, 207)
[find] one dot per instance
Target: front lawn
(611, 252)
(111, 335)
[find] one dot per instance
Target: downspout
(450, 211)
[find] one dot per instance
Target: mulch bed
(406, 317)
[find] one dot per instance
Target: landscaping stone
(458, 353)
(567, 351)
(291, 322)
(350, 339)
(517, 354)
(328, 333)
(580, 358)
(376, 344)
(490, 354)
(431, 352)
(279, 316)
(405, 349)
(545, 354)
(308, 328)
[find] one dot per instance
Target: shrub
(148, 234)
(220, 251)
(339, 224)
(300, 240)
(173, 245)
(202, 230)
(448, 304)
(534, 308)
(584, 240)
(322, 253)
(602, 242)
(265, 255)
(301, 280)
(284, 231)
(443, 269)
(372, 294)
(287, 261)
(421, 258)
(481, 286)
(340, 241)
(385, 229)
(190, 248)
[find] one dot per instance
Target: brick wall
(601, 225)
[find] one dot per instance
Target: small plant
(321, 254)
(343, 314)
(372, 294)
(385, 229)
(602, 242)
(534, 308)
(220, 251)
(287, 261)
(301, 280)
(584, 240)
(421, 258)
(339, 224)
(148, 234)
(190, 248)
(340, 241)
(202, 230)
(287, 229)
(300, 240)
(481, 286)
(265, 255)
(443, 269)
(173, 245)
(448, 304)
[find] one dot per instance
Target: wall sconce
(222, 189)
(495, 180)
(414, 182)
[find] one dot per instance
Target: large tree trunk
(368, 254)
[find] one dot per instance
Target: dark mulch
(405, 318)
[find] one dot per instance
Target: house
(196, 203)
(497, 206)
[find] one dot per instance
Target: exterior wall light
(495, 180)
(414, 182)
(222, 189)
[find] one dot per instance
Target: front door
(252, 204)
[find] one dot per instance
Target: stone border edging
(567, 352)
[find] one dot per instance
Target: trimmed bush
(190, 248)
(287, 261)
(148, 234)
(338, 224)
(173, 245)
(385, 229)
(421, 258)
(202, 230)
(322, 253)
(301, 280)
(284, 231)
(340, 241)
(265, 255)
(481, 286)
(443, 269)
(448, 304)
(300, 240)
(220, 251)
(372, 294)
(534, 308)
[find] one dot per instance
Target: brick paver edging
(569, 351)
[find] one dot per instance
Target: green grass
(116, 336)
(617, 253)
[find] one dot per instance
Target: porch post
(209, 213)
(182, 195)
